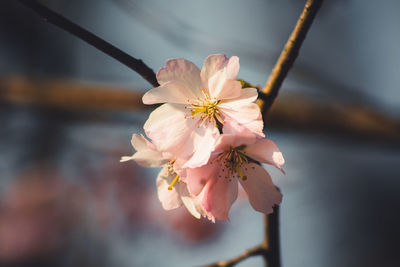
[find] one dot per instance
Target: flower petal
(220, 194)
(256, 126)
(171, 92)
(190, 202)
(212, 65)
(197, 178)
(221, 88)
(259, 188)
(232, 127)
(242, 113)
(247, 95)
(169, 129)
(232, 68)
(266, 151)
(232, 140)
(203, 139)
(182, 70)
(146, 154)
(170, 199)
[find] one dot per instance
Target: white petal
(204, 139)
(190, 202)
(182, 70)
(170, 130)
(221, 88)
(262, 193)
(146, 154)
(171, 92)
(149, 158)
(139, 142)
(242, 113)
(232, 127)
(170, 199)
(232, 68)
(212, 65)
(247, 95)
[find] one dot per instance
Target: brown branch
(271, 244)
(292, 111)
(269, 249)
(259, 250)
(68, 95)
(60, 21)
(288, 55)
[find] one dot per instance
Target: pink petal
(259, 188)
(203, 139)
(266, 151)
(220, 193)
(171, 92)
(231, 140)
(170, 199)
(169, 130)
(181, 70)
(196, 178)
(212, 65)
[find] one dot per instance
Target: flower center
(206, 107)
(233, 159)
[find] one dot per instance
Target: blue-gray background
(341, 195)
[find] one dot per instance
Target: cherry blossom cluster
(207, 137)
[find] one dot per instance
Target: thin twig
(60, 21)
(288, 55)
(259, 250)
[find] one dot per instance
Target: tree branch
(60, 21)
(259, 250)
(271, 244)
(288, 55)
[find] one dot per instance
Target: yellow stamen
(239, 171)
(173, 182)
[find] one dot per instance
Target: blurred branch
(68, 95)
(58, 20)
(291, 111)
(259, 250)
(288, 55)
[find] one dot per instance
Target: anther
(240, 173)
(173, 182)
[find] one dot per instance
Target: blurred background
(68, 111)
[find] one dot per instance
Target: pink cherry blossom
(234, 160)
(198, 104)
(171, 191)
